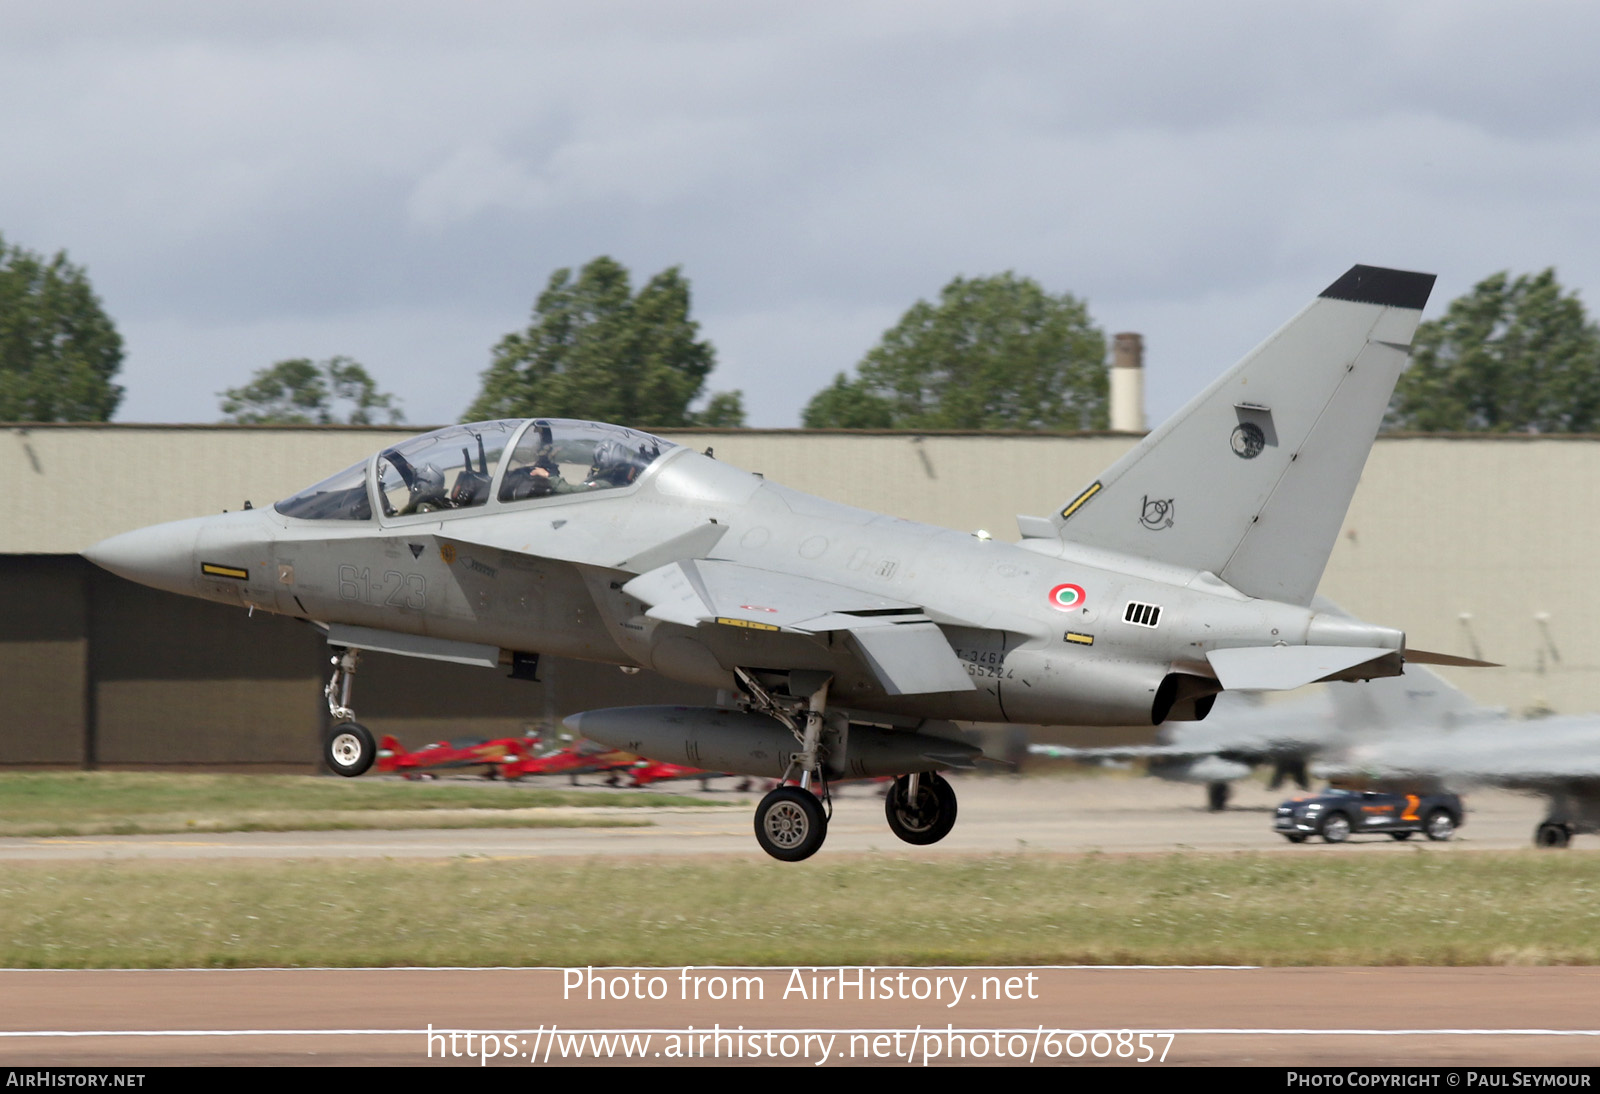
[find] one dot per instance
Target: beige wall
(1498, 528)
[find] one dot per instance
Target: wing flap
(905, 651)
(912, 659)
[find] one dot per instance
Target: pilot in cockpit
(614, 464)
(541, 477)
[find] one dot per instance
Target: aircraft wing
(1543, 753)
(568, 540)
(905, 650)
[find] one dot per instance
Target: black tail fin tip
(1386, 288)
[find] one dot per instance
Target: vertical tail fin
(1251, 479)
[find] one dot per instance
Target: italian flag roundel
(1067, 597)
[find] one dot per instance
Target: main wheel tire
(349, 749)
(1217, 795)
(1335, 828)
(790, 824)
(926, 820)
(1439, 826)
(1407, 834)
(1552, 834)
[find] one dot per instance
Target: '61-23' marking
(394, 589)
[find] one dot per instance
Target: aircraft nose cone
(161, 556)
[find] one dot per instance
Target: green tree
(994, 353)
(58, 349)
(725, 410)
(847, 404)
(595, 349)
(1511, 356)
(305, 392)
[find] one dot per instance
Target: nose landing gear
(348, 748)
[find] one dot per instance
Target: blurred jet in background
(1557, 757)
(1242, 734)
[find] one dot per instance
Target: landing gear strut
(791, 823)
(348, 748)
(1217, 795)
(921, 808)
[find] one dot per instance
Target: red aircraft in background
(517, 757)
(579, 757)
(394, 759)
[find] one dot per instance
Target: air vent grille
(1141, 615)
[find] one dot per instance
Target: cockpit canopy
(464, 466)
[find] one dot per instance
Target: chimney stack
(1127, 383)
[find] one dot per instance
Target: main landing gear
(348, 747)
(1570, 815)
(1552, 834)
(921, 808)
(791, 823)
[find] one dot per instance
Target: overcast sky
(396, 181)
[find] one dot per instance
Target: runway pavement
(1282, 1016)
(997, 813)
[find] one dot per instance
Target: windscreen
(339, 497)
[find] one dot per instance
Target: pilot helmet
(429, 478)
(613, 464)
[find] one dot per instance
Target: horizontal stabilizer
(1427, 657)
(1280, 668)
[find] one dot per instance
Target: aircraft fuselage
(1031, 658)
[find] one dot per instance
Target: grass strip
(121, 803)
(1512, 908)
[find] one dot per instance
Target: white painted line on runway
(799, 1030)
(658, 968)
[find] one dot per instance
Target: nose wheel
(921, 808)
(349, 749)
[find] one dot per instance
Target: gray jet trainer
(845, 642)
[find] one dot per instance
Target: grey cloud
(1192, 172)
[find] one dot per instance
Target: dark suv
(1336, 815)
